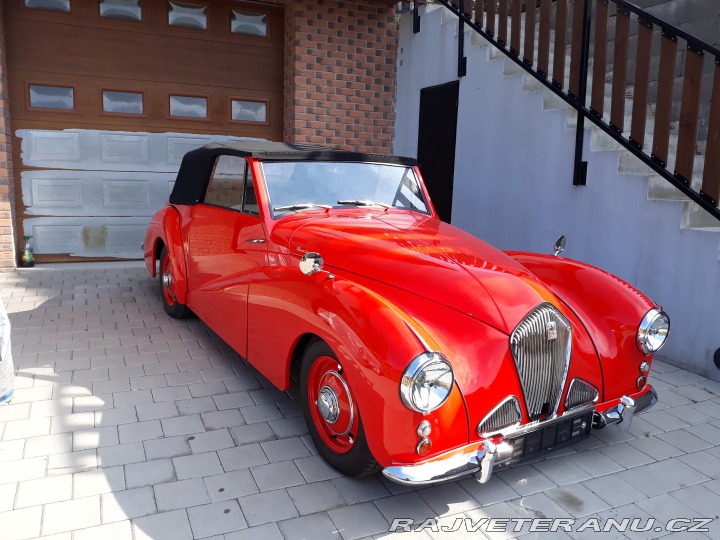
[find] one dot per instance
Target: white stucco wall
(513, 188)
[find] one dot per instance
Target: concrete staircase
(659, 189)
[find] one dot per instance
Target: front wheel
(331, 413)
(168, 289)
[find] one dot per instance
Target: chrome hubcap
(167, 280)
(328, 405)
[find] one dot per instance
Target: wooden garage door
(107, 95)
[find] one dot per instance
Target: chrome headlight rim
(409, 380)
(647, 331)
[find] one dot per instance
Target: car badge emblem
(551, 330)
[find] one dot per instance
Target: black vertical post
(416, 16)
(462, 61)
(580, 169)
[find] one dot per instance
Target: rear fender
(165, 227)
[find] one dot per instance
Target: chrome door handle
(256, 240)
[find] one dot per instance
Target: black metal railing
(588, 47)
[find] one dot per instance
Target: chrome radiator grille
(505, 415)
(579, 393)
(541, 346)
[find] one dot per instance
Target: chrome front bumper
(481, 458)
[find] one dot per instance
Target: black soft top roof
(196, 165)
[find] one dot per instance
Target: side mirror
(311, 263)
(559, 246)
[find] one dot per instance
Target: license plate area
(550, 437)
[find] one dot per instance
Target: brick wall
(7, 196)
(340, 66)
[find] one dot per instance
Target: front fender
(608, 307)
(165, 227)
(373, 342)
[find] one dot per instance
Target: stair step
(660, 189)
(694, 217)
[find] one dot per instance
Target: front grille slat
(579, 393)
(542, 363)
(505, 415)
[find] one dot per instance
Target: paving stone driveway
(128, 424)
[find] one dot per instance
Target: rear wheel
(168, 290)
(331, 413)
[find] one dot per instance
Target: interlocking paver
(277, 475)
(7, 496)
(44, 490)
(167, 447)
(98, 482)
(44, 445)
(358, 520)
(252, 433)
(285, 449)
(269, 531)
(182, 425)
(164, 526)
(149, 473)
(216, 518)
(140, 431)
(128, 504)
(312, 526)
(197, 465)
(72, 462)
(24, 523)
(156, 411)
(71, 515)
(121, 530)
(120, 454)
(222, 419)
(180, 494)
(212, 440)
(267, 507)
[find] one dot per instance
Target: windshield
(294, 186)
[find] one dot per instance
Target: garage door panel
(88, 236)
(156, 102)
(87, 193)
(144, 57)
(163, 150)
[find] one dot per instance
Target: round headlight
(653, 331)
(427, 382)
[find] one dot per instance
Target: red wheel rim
(168, 286)
(331, 405)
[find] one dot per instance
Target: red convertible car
(417, 349)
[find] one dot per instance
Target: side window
(231, 185)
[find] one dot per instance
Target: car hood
(420, 255)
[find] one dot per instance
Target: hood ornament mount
(559, 246)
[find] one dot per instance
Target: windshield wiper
(300, 206)
(357, 202)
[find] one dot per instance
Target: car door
(226, 244)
